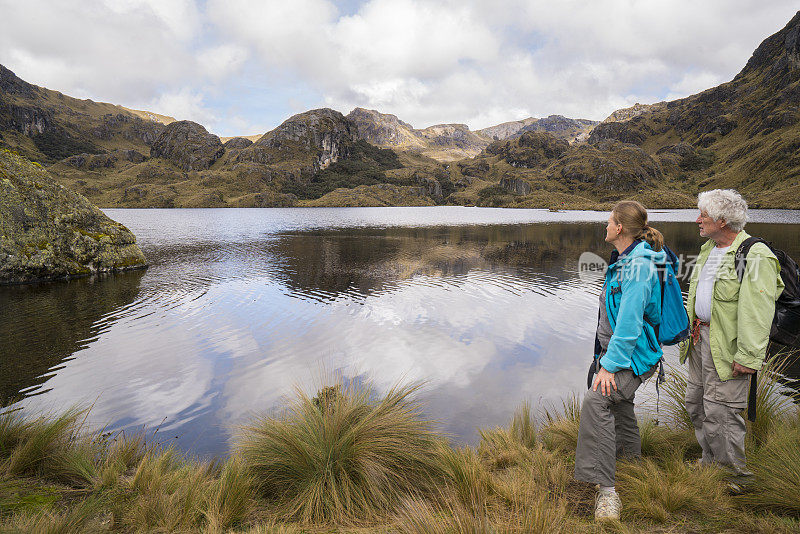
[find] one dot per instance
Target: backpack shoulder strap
(743, 250)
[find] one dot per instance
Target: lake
(241, 306)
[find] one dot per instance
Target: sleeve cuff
(608, 365)
(748, 361)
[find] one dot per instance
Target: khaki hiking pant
(715, 408)
(608, 430)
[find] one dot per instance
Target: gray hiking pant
(608, 429)
(714, 407)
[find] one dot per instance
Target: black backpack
(785, 328)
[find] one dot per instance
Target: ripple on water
(235, 310)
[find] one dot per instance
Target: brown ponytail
(633, 218)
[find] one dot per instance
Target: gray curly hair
(724, 204)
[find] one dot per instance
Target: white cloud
(427, 62)
(221, 61)
(184, 104)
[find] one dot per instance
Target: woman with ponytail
(626, 352)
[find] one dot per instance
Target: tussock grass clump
(30, 447)
(774, 401)
(776, 465)
(82, 517)
(504, 447)
(560, 429)
(467, 477)
(351, 458)
(663, 442)
(659, 492)
(674, 388)
(169, 492)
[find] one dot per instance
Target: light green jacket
(741, 314)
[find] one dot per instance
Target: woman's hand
(606, 382)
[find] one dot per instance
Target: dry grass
(349, 460)
(776, 465)
(560, 430)
(349, 457)
(661, 491)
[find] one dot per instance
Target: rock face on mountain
(47, 126)
(619, 131)
(313, 139)
(505, 130)
(237, 142)
(49, 232)
(452, 135)
(742, 134)
(626, 114)
(384, 130)
(530, 150)
(442, 142)
(571, 130)
(613, 166)
(188, 145)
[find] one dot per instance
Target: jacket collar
(741, 236)
(616, 255)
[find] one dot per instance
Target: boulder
(49, 232)
(188, 145)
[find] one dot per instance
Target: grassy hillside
(46, 126)
(743, 134)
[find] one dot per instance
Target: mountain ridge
(744, 133)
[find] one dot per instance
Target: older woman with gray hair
(730, 327)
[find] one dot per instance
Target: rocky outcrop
(129, 127)
(236, 143)
(432, 186)
(188, 145)
(515, 186)
(384, 130)
(48, 232)
(626, 114)
(620, 131)
(453, 136)
(505, 130)
(530, 150)
(610, 166)
(318, 137)
(571, 130)
(108, 161)
(27, 120)
(443, 142)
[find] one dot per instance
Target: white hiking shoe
(606, 506)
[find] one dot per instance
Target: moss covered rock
(49, 232)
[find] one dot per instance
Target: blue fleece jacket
(633, 292)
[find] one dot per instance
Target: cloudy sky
(244, 66)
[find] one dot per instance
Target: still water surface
(239, 306)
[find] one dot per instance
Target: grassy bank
(352, 460)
